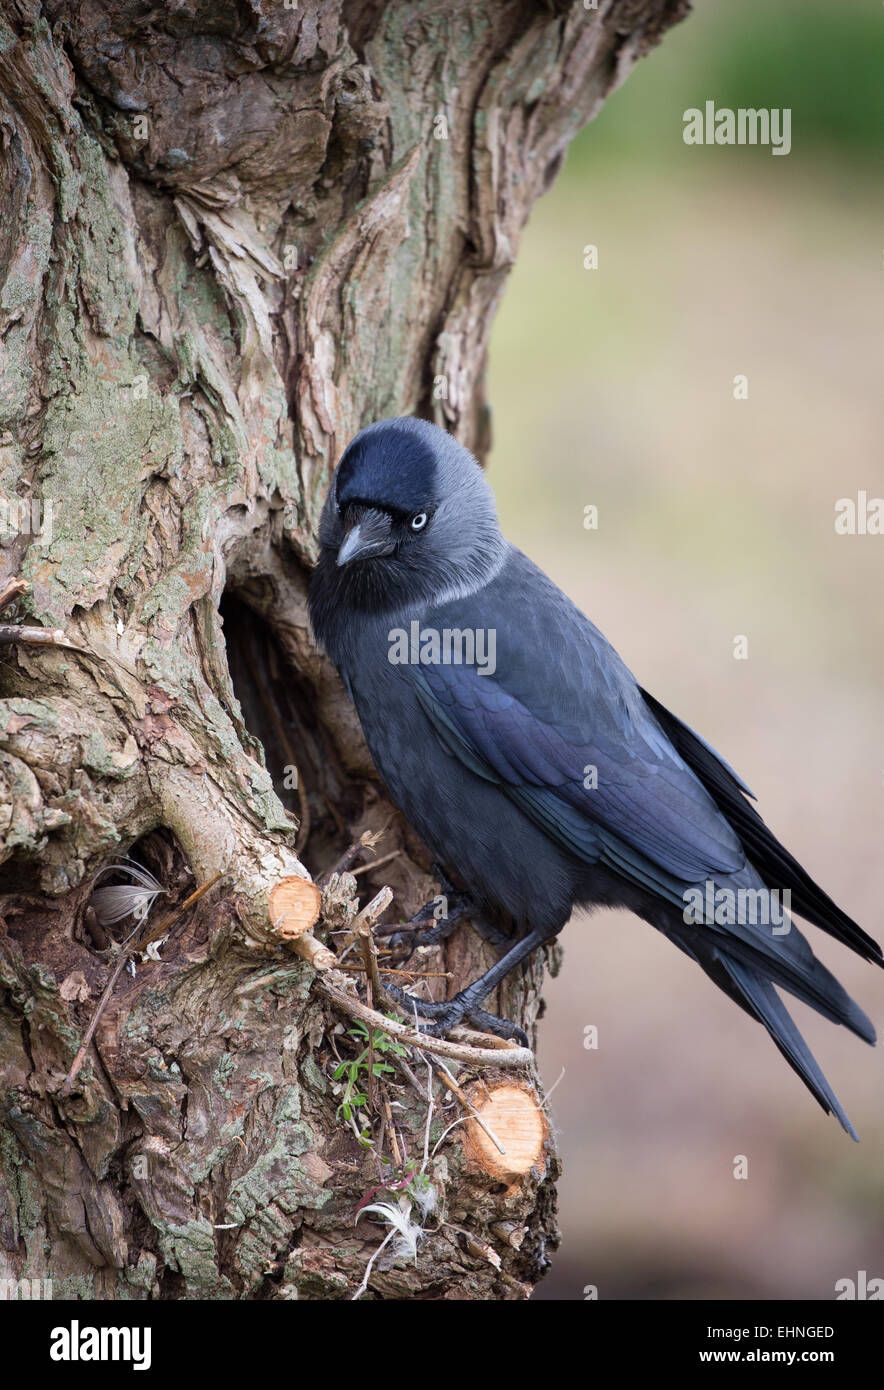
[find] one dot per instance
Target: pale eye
(418, 522)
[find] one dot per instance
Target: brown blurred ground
(614, 387)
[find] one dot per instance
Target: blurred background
(614, 388)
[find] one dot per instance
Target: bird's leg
(431, 936)
(448, 1013)
(500, 940)
(458, 905)
(420, 929)
(441, 1011)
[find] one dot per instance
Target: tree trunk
(233, 235)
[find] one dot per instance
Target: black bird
(524, 753)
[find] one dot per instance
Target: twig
(342, 864)
(40, 636)
(368, 915)
(80, 1058)
(512, 1057)
(430, 1108)
(406, 1069)
(461, 1120)
(12, 589)
(172, 917)
(362, 931)
(367, 840)
(371, 975)
(127, 951)
(376, 863)
(470, 1035)
(374, 988)
(364, 1285)
(449, 1081)
(412, 974)
(397, 1155)
(55, 637)
(311, 949)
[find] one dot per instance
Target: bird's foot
(500, 1027)
(455, 905)
(448, 1013)
(428, 925)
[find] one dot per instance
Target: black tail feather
(762, 1000)
(757, 996)
(777, 867)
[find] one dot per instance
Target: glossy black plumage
(553, 779)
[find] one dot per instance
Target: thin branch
(449, 1081)
(362, 931)
(461, 1120)
(367, 840)
(376, 863)
(411, 974)
(409, 1074)
(12, 589)
(394, 1145)
(509, 1058)
(368, 1268)
(471, 1036)
(430, 1109)
(40, 637)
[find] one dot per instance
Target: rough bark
(234, 233)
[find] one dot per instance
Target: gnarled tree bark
(232, 235)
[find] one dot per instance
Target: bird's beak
(372, 535)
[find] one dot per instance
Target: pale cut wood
(512, 1113)
(294, 905)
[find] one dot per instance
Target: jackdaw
(527, 757)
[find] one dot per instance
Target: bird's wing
(562, 727)
(560, 701)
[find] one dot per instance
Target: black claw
(500, 1027)
(444, 881)
(424, 1008)
(434, 1030)
(424, 935)
(447, 1014)
(459, 906)
(431, 932)
(414, 924)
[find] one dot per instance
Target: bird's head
(409, 520)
